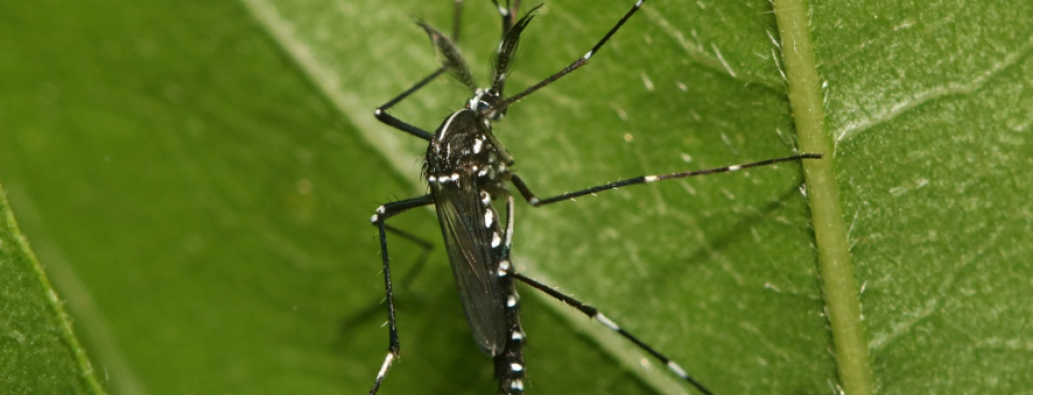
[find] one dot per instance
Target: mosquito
(467, 169)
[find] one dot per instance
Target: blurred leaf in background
(197, 180)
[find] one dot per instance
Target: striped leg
(535, 201)
(383, 213)
(509, 364)
(591, 312)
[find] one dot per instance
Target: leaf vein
(851, 130)
(903, 327)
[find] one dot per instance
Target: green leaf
(39, 353)
(198, 179)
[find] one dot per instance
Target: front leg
(383, 213)
(398, 124)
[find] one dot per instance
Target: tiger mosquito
(466, 169)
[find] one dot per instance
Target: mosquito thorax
(463, 145)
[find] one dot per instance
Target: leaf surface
(39, 352)
(198, 179)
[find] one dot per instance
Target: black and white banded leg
(536, 201)
(510, 368)
(388, 210)
(592, 312)
(383, 213)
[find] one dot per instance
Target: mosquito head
(484, 102)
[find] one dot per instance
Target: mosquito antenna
(451, 59)
(506, 53)
(566, 70)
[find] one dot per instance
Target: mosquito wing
(473, 259)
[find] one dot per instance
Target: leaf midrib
(836, 271)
